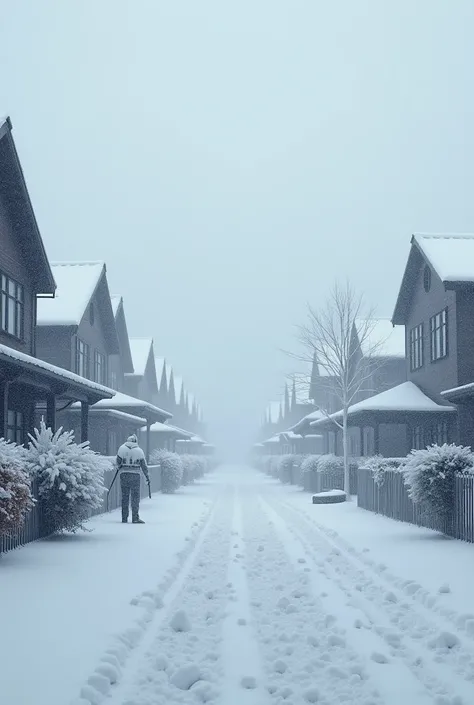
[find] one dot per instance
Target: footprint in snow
(248, 682)
(379, 657)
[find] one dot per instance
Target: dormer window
(91, 314)
(427, 278)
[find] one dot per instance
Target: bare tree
(328, 335)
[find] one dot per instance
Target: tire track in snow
(180, 661)
(242, 664)
(306, 655)
(462, 623)
(122, 657)
(436, 658)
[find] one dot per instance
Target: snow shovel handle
(108, 491)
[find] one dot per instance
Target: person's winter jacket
(131, 458)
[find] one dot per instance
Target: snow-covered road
(265, 603)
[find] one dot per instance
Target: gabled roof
(383, 339)
(160, 365)
(122, 333)
(77, 282)
(450, 255)
(141, 348)
(405, 397)
(306, 421)
(18, 203)
(191, 403)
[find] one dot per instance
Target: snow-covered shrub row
(271, 465)
(378, 466)
(330, 463)
(430, 476)
(310, 464)
(15, 488)
(171, 469)
(70, 478)
(194, 467)
(285, 468)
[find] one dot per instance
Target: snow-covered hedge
(310, 464)
(430, 476)
(171, 470)
(330, 463)
(70, 478)
(15, 488)
(285, 468)
(379, 466)
(194, 467)
(270, 465)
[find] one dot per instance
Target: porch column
(362, 448)
(4, 391)
(84, 421)
(148, 424)
(376, 439)
(51, 412)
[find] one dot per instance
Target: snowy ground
(237, 591)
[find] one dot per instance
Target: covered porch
(165, 436)
(31, 389)
(463, 397)
(143, 410)
(390, 424)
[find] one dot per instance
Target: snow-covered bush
(187, 463)
(70, 478)
(171, 470)
(15, 488)
(379, 466)
(285, 468)
(199, 466)
(310, 464)
(330, 463)
(271, 465)
(430, 476)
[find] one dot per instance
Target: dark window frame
(82, 362)
(427, 278)
(100, 367)
(418, 438)
(439, 336)
(417, 348)
(12, 301)
(15, 426)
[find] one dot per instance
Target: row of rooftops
(451, 257)
(76, 283)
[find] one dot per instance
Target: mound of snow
(180, 622)
(186, 676)
(248, 682)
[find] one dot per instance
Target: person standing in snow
(130, 463)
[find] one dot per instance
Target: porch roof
(307, 420)
(169, 430)
(465, 391)
(405, 398)
(131, 405)
(23, 368)
(137, 421)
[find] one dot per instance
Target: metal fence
(329, 480)
(391, 499)
(32, 529)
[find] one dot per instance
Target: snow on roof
(76, 283)
(273, 439)
(273, 411)
(140, 349)
(59, 371)
(450, 254)
(116, 414)
(383, 339)
(404, 397)
(115, 300)
(125, 401)
(291, 435)
(308, 419)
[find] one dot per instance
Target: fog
(229, 160)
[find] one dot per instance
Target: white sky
(228, 160)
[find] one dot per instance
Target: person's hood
(131, 444)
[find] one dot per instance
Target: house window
(418, 438)
(331, 442)
(439, 335)
(100, 367)
(427, 279)
(91, 314)
(416, 347)
(82, 358)
(15, 426)
(12, 304)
